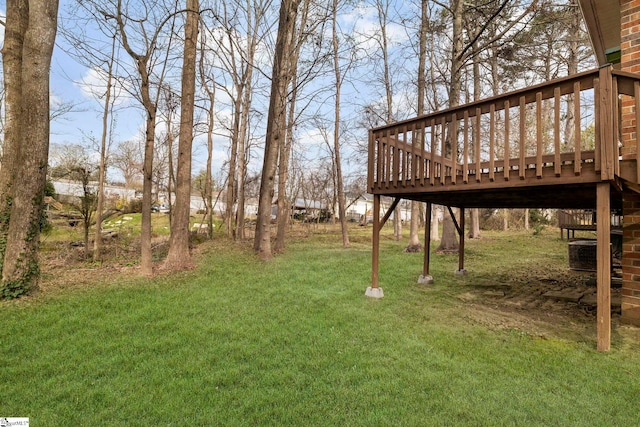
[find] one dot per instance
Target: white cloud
(93, 85)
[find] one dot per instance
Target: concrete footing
(462, 272)
(374, 292)
(425, 280)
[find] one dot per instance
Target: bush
(134, 206)
(49, 189)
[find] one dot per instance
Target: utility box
(583, 255)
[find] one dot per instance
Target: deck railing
(557, 129)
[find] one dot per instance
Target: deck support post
(461, 269)
(425, 278)
(374, 291)
(460, 227)
(603, 231)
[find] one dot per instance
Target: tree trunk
(474, 223)
(242, 157)
(17, 19)
(572, 68)
(397, 223)
(276, 123)
(414, 239)
(255, 17)
(97, 241)
(171, 179)
(20, 270)
(284, 207)
(208, 181)
(285, 210)
(142, 61)
(435, 224)
(179, 256)
(233, 157)
(336, 129)
(474, 214)
(210, 92)
(449, 242)
(146, 260)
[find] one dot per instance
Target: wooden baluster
(408, 157)
(414, 155)
(397, 160)
(577, 163)
(443, 149)
(557, 166)
(476, 131)
(391, 163)
(596, 102)
(539, 134)
(370, 160)
(403, 155)
(523, 151)
(615, 150)
(380, 165)
(507, 142)
(422, 137)
(432, 165)
(465, 161)
(454, 147)
(492, 141)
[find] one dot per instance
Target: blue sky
(71, 82)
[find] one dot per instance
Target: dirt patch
(544, 303)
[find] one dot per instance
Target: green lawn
(295, 342)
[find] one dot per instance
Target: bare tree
(307, 61)
(284, 202)
(165, 148)
(339, 79)
(235, 35)
(127, 158)
(104, 146)
(148, 26)
(179, 256)
(74, 162)
(207, 83)
(276, 124)
(30, 33)
(414, 240)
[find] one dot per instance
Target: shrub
(134, 206)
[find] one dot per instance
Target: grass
(295, 342)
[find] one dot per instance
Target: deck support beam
(387, 215)
(425, 278)
(460, 228)
(374, 291)
(461, 269)
(603, 231)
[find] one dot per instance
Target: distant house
(67, 190)
(359, 207)
(305, 210)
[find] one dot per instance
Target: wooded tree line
(287, 89)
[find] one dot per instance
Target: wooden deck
(547, 146)
(554, 145)
(572, 220)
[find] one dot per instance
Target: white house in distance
(362, 205)
(357, 205)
